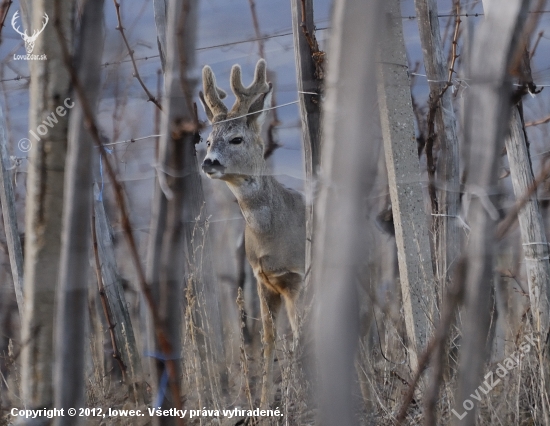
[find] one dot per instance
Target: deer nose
(211, 166)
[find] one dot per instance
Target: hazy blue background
(220, 22)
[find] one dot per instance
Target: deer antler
(14, 23)
(247, 95)
(212, 97)
(36, 33)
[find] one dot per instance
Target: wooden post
(309, 93)
(49, 88)
(72, 291)
(446, 225)
(487, 119)
(349, 158)
(534, 242)
(179, 216)
(411, 230)
(114, 293)
(533, 235)
(157, 226)
(7, 199)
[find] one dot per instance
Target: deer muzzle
(212, 167)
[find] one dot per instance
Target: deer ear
(257, 109)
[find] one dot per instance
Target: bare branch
(454, 46)
(131, 53)
(434, 104)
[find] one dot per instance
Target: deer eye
(236, 141)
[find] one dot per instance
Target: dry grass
(383, 379)
(382, 365)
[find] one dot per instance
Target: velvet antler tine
(260, 75)
(207, 109)
(236, 81)
(247, 95)
(212, 95)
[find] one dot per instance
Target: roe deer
(274, 215)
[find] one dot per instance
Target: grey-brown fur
(274, 214)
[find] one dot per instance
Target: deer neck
(257, 198)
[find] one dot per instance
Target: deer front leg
(290, 284)
(270, 304)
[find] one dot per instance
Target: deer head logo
(29, 40)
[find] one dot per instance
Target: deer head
(29, 41)
(234, 147)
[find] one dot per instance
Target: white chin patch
(215, 175)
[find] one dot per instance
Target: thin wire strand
(458, 80)
(19, 77)
(256, 112)
(469, 15)
(449, 15)
(132, 140)
(144, 58)
(215, 46)
(223, 121)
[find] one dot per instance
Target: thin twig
(157, 113)
(162, 337)
(539, 37)
(454, 45)
(434, 104)
(4, 9)
(104, 302)
(131, 53)
(538, 122)
(256, 24)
